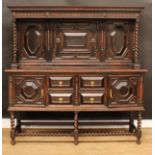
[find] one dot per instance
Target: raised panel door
(122, 90)
(75, 40)
(29, 90)
(32, 38)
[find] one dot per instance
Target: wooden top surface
(73, 8)
(76, 70)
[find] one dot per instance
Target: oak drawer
(91, 98)
(91, 82)
(60, 82)
(60, 98)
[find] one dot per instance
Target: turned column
(139, 131)
(14, 43)
(12, 122)
(19, 123)
(131, 122)
(76, 133)
(136, 44)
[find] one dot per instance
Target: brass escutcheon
(92, 83)
(60, 83)
(92, 99)
(60, 99)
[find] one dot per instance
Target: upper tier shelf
(45, 37)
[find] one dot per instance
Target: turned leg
(19, 123)
(76, 128)
(139, 131)
(131, 123)
(12, 134)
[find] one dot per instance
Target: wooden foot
(75, 137)
(12, 134)
(76, 134)
(13, 142)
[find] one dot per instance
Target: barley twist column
(76, 128)
(139, 132)
(131, 123)
(136, 45)
(19, 123)
(14, 48)
(12, 134)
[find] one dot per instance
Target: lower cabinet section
(107, 89)
(76, 93)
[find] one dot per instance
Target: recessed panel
(118, 40)
(75, 39)
(123, 90)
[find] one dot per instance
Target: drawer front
(91, 98)
(60, 98)
(60, 82)
(29, 90)
(91, 82)
(122, 90)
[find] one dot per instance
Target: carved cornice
(75, 12)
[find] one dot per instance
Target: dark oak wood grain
(75, 59)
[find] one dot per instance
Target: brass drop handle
(92, 99)
(60, 83)
(92, 83)
(60, 99)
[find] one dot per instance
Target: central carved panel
(75, 40)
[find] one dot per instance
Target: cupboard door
(75, 40)
(119, 40)
(122, 90)
(29, 90)
(31, 39)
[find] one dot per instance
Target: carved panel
(118, 41)
(75, 40)
(30, 90)
(32, 40)
(122, 90)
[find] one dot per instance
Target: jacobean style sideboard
(75, 59)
